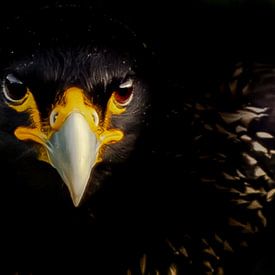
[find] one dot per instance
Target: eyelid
(4, 89)
(126, 84)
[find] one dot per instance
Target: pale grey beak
(73, 152)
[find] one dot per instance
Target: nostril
(53, 117)
(95, 117)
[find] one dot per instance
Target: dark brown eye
(124, 94)
(14, 89)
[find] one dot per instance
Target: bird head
(74, 98)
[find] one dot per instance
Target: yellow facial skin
(73, 100)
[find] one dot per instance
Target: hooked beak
(73, 151)
(73, 141)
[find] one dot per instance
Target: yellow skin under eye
(73, 100)
(29, 106)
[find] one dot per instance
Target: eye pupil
(122, 95)
(16, 91)
(14, 88)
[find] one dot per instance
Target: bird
(74, 106)
(103, 171)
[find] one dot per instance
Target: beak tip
(76, 194)
(76, 201)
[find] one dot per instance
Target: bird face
(75, 109)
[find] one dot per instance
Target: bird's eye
(14, 89)
(124, 94)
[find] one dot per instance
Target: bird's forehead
(61, 68)
(73, 61)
